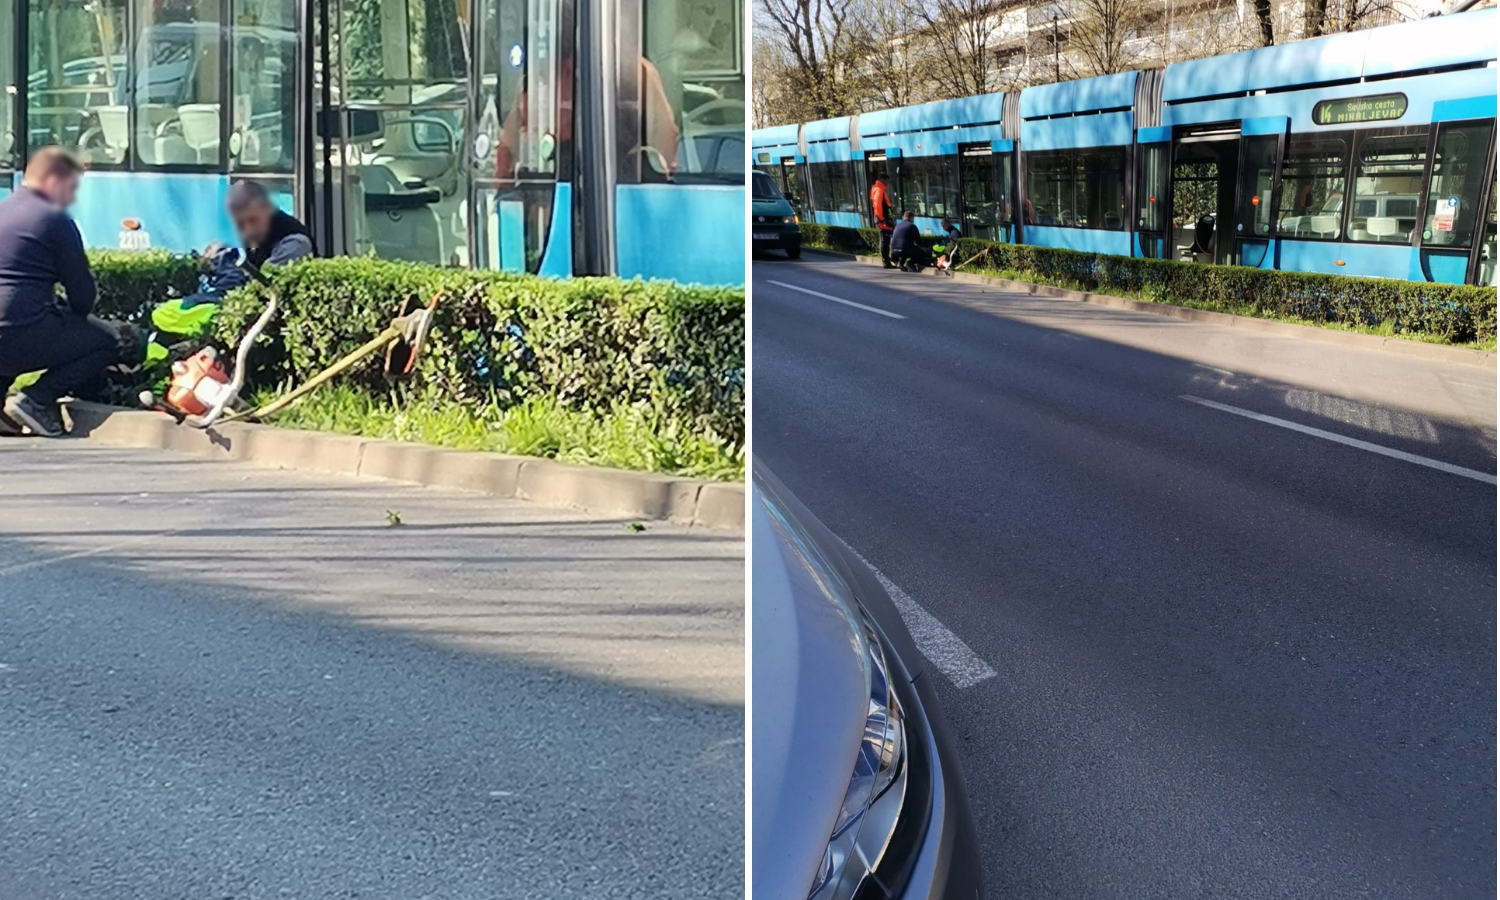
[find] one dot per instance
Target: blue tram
(1368, 153)
(553, 136)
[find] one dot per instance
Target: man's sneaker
(44, 420)
(8, 427)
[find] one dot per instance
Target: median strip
(1346, 441)
(879, 312)
(595, 489)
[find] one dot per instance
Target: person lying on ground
(40, 248)
(271, 237)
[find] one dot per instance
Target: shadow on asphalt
(196, 737)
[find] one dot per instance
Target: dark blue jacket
(904, 237)
(40, 248)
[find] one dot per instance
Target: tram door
(982, 201)
(877, 168)
(1257, 197)
(1205, 163)
(861, 191)
(795, 189)
(1151, 198)
(393, 104)
(521, 143)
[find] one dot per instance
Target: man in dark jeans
(40, 247)
(906, 247)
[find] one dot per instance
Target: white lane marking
(1402, 455)
(880, 312)
(942, 647)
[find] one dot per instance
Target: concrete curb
(1438, 352)
(636, 495)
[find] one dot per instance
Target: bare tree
(897, 64)
(1333, 16)
(1107, 36)
(962, 34)
(815, 33)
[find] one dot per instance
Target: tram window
(263, 66)
(1077, 188)
(1312, 188)
(177, 101)
(693, 92)
(1457, 175)
(847, 192)
(833, 187)
(1152, 191)
(1487, 270)
(391, 48)
(981, 206)
(924, 189)
(951, 187)
(1387, 182)
(521, 95)
(75, 91)
(1005, 166)
(1257, 173)
(1099, 188)
(1049, 189)
(820, 186)
(7, 92)
(793, 178)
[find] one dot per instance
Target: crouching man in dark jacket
(906, 245)
(40, 248)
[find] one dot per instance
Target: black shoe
(42, 419)
(8, 427)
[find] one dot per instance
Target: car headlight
(877, 788)
(789, 220)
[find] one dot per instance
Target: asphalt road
(224, 682)
(1233, 659)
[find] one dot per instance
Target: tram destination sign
(1376, 108)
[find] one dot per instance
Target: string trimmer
(201, 392)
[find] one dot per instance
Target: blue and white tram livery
(562, 137)
(1369, 153)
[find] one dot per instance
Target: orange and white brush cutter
(201, 392)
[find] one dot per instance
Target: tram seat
(711, 153)
(200, 130)
(159, 136)
(114, 131)
(399, 222)
(1386, 229)
(1323, 226)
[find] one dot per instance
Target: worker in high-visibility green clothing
(271, 237)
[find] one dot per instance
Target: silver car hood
(809, 702)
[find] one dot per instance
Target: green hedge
(1455, 313)
(130, 283)
(499, 340)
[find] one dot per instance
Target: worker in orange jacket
(885, 217)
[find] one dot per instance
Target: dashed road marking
(880, 312)
(1402, 455)
(942, 647)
